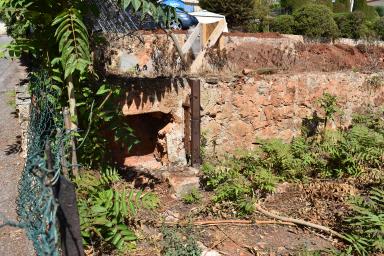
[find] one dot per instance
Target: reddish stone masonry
(255, 88)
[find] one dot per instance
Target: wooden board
(211, 41)
(191, 39)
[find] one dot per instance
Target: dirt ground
(306, 57)
(319, 201)
(13, 241)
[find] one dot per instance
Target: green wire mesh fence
(36, 203)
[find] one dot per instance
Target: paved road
(13, 242)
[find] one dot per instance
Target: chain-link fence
(42, 189)
(36, 203)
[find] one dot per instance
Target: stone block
(181, 184)
(206, 251)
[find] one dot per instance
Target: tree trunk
(352, 3)
(72, 103)
(73, 123)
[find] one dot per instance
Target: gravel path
(12, 240)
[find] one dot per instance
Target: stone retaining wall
(152, 55)
(237, 112)
(23, 104)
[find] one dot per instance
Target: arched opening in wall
(150, 129)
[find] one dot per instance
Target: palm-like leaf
(161, 14)
(73, 42)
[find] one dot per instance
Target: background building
(376, 2)
(193, 4)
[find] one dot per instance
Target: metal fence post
(68, 215)
(195, 122)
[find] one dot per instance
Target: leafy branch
(73, 42)
(160, 13)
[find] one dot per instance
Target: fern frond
(109, 176)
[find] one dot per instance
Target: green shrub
(193, 197)
(337, 153)
(379, 28)
(341, 6)
(367, 31)
(237, 12)
(315, 21)
(327, 3)
(369, 11)
(380, 10)
(343, 22)
(253, 27)
(283, 24)
(355, 151)
(264, 180)
(351, 25)
(262, 13)
(104, 210)
(328, 103)
(372, 120)
(237, 179)
(367, 224)
(292, 5)
(174, 245)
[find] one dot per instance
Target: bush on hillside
(283, 24)
(369, 11)
(315, 21)
(341, 6)
(343, 153)
(367, 31)
(327, 3)
(379, 28)
(236, 12)
(366, 224)
(351, 25)
(262, 14)
(292, 5)
(380, 10)
(359, 5)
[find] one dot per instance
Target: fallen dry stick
(229, 222)
(300, 222)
